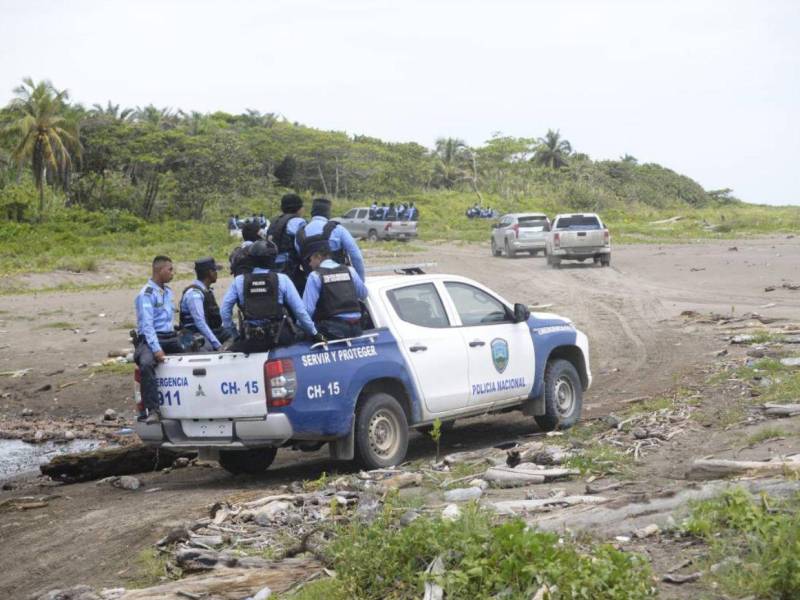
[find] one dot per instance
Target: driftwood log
(232, 584)
(782, 410)
(105, 462)
(717, 468)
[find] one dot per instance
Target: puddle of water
(21, 458)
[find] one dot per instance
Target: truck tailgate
(212, 386)
(581, 239)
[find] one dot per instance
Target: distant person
(401, 211)
(232, 224)
(382, 211)
(413, 213)
(282, 233)
(373, 210)
(391, 214)
(199, 309)
(156, 336)
(342, 245)
(262, 220)
(332, 293)
(238, 222)
(239, 258)
(263, 297)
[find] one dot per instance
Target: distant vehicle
(578, 236)
(434, 347)
(358, 222)
(520, 232)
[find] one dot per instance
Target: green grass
(756, 542)
(83, 264)
(115, 369)
(768, 433)
(150, 569)
(483, 558)
(599, 459)
(58, 325)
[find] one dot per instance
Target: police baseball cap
(206, 263)
(309, 249)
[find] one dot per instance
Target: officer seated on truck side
(333, 293)
(263, 298)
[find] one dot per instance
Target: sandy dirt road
(630, 312)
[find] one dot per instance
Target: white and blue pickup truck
(434, 347)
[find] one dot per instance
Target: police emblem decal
(499, 354)
(199, 391)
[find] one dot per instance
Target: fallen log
(106, 462)
(524, 474)
(197, 559)
(232, 584)
(717, 468)
(543, 504)
(782, 410)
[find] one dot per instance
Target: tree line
(162, 163)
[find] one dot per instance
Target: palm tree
(45, 134)
(552, 151)
(161, 118)
(112, 111)
(452, 155)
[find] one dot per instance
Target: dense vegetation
(158, 163)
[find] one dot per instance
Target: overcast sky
(710, 89)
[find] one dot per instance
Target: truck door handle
(418, 348)
(198, 372)
(476, 343)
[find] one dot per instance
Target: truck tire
(554, 261)
(509, 252)
(605, 260)
(253, 461)
(372, 236)
(495, 250)
(533, 252)
(563, 396)
(381, 433)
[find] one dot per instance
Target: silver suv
(520, 232)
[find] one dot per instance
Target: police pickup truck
(434, 347)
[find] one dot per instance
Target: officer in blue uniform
(238, 259)
(282, 232)
(342, 244)
(263, 297)
(156, 335)
(332, 293)
(199, 309)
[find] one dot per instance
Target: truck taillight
(556, 239)
(606, 237)
(515, 227)
(280, 382)
(388, 226)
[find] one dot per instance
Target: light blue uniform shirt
(314, 287)
(340, 238)
(287, 296)
(154, 311)
(192, 302)
(291, 229)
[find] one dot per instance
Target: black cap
(263, 253)
(291, 203)
(321, 207)
(207, 263)
(310, 248)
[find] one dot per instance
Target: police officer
(332, 293)
(156, 335)
(239, 260)
(342, 245)
(199, 309)
(282, 232)
(262, 297)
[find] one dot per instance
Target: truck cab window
(419, 305)
(476, 307)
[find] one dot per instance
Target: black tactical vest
(210, 310)
(261, 297)
(338, 294)
(339, 256)
(283, 240)
(240, 261)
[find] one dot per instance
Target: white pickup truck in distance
(362, 226)
(434, 347)
(578, 236)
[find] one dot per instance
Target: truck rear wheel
(563, 396)
(495, 250)
(372, 236)
(381, 433)
(605, 260)
(253, 461)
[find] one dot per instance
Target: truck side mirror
(521, 313)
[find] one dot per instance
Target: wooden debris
(231, 584)
(782, 410)
(543, 504)
(106, 462)
(717, 468)
(403, 480)
(524, 474)
(679, 579)
(193, 560)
